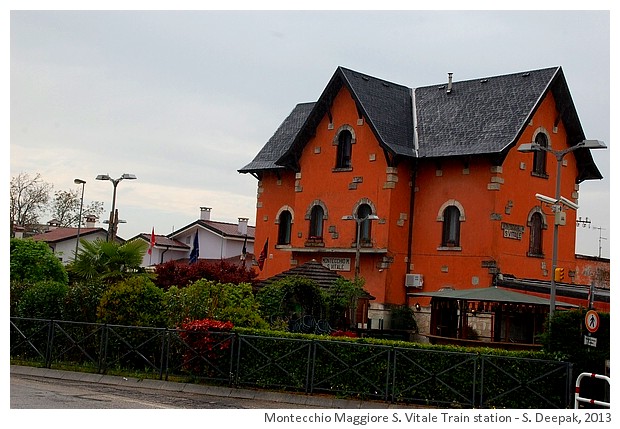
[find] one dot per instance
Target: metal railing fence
(382, 372)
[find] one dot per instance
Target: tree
(66, 208)
(28, 199)
(107, 260)
(342, 300)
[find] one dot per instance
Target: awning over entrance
(491, 294)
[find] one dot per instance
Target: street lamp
(113, 222)
(359, 221)
(77, 240)
(556, 203)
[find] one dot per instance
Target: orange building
(422, 189)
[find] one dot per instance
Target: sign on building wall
(337, 264)
(513, 231)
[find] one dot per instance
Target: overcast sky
(183, 99)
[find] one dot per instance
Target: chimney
(90, 221)
(18, 231)
(205, 213)
(53, 224)
(449, 88)
(243, 225)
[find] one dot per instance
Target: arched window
(284, 227)
(536, 225)
(363, 211)
(317, 216)
(540, 156)
(451, 235)
(343, 158)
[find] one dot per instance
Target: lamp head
(529, 147)
(103, 177)
(79, 181)
(128, 176)
(592, 144)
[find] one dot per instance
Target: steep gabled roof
(280, 142)
(386, 107)
(483, 116)
(488, 115)
(477, 116)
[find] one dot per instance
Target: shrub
(208, 299)
(33, 261)
(291, 298)
(135, 301)
(206, 345)
(402, 317)
(82, 300)
(173, 273)
(43, 300)
(566, 339)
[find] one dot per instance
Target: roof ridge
(480, 78)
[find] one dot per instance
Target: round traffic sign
(592, 321)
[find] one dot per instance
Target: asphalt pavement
(315, 401)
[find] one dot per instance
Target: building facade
(422, 189)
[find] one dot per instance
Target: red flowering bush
(175, 273)
(207, 342)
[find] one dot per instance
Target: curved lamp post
(359, 222)
(77, 240)
(559, 200)
(113, 222)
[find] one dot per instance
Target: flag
(263, 255)
(193, 256)
(152, 244)
(244, 250)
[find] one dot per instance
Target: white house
(215, 241)
(63, 241)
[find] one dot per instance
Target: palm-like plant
(107, 260)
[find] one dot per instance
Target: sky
(185, 98)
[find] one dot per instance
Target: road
(41, 388)
(34, 392)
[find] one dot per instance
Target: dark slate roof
(477, 116)
(488, 115)
(312, 270)
(386, 107)
(281, 140)
(484, 116)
